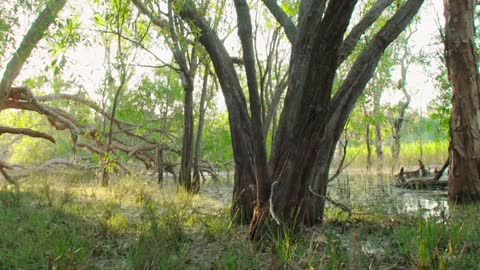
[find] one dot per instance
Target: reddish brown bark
(464, 174)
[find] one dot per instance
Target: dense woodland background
(151, 105)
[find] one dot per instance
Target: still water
(364, 192)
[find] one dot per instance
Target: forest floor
(67, 221)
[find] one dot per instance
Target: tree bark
(244, 191)
(464, 174)
(312, 120)
(185, 176)
(201, 123)
(303, 150)
(377, 115)
(258, 140)
(160, 163)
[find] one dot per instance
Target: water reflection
(364, 192)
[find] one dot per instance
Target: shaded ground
(68, 222)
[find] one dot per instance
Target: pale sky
(420, 84)
(87, 64)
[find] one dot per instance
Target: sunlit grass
(431, 153)
(70, 222)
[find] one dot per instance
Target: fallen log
(423, 183)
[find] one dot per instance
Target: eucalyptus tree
(405, 57)
(116, 18)
(290, 187)
(374, 91)
(461, 59)
(188, 57)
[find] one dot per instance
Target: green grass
(69, 222)
(433, 153)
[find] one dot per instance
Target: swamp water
(372, 193)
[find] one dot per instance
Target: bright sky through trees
(86, 62)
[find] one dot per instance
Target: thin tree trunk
(369, 147)
(185, 176)
(377, 115)
(258, 140)
(464, 173)
(123, 78)
(244, 191)
(398, 123)
(160, 163)
(198, 142)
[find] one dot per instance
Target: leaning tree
(461, 60)
(85, 135)
(291, 186)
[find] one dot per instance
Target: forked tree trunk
(312, 119)
(244, 191)
(311, 122)
(464, 174)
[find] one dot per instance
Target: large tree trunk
(301, 151)
(311, 122)
(262, 176)
(312, 119)
(464, 175)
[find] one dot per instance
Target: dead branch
(340, 167)
(439, 174)
(337, 204)
(92, 148)
(420, 172)
(6, 176)
(81, 100)
(4, 165)
(26, 131)
(146, 159)
(423, 183)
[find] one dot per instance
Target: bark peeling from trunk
(464, 174)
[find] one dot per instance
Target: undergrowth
(69, 222)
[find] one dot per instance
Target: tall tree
(291, 188)
(461, 59)
(122, 13)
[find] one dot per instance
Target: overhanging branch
(29, 42)
(26, 131)
(359, 29)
